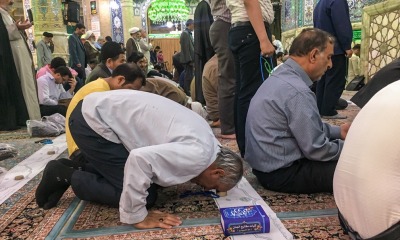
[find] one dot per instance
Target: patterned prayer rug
(306, 216)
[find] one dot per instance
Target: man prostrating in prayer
(134, 141)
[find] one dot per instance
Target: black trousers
(102, 179)
(246, 50)
(331, 85)
(188, 77)
(47, 110)
(393, 233)
(303, 176)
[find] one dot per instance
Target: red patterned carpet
(306, 216)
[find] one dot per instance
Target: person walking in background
(249, 37)
(354, 69)
(219, 32)
(44, 54)
(333, 16)
(187, 54)
(77, 59)
(17, 71)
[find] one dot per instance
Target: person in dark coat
(203, 49)
(13, 110)
(77, 55)
(333, 17)
(187, 54)
(387, 75)
(111, 56)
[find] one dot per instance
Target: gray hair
(308, 39)
(232, 164)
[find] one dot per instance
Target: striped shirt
(283, 123)
(220, 11)
(239, 13)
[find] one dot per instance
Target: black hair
(79, 26)
(279, 54)
(135, 57)
(131, 72)
(57, 62)
(309, 39)
(47, 34)
(108, 39)
(357, 46)
(110, 50)
(63, 71)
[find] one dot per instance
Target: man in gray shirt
(288, 146)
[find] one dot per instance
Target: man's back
(142, 112)
(333, 17)
(95, 86)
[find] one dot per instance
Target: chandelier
(168, 10)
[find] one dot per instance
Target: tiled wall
(380, 36)
(299, 13)
(379, 21)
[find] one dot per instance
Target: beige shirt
(354, 67)
(366, 184)
(239, 13)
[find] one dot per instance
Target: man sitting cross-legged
(134, 141)
(288, 146)
(125, 76)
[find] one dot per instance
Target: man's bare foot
(215, 124)
(228, 136)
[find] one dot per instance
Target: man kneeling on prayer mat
(134, 142)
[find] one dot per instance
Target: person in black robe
(13, 110)
(203, 49)
(385, 76)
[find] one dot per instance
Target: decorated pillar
(128, 18)
(48, 17)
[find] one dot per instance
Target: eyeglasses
(201, 193)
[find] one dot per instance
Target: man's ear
(218, 173)
(120, 80)
(313, 55)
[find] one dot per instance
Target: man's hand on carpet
(159, 219)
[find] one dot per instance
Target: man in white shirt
(51, 91)
(133, 142)
(366, 184)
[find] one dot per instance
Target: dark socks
(55, 181)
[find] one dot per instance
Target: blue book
(244, 220)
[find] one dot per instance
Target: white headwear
(134, 30)
(88, 34)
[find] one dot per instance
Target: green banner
(356, 35)
(165, 35)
